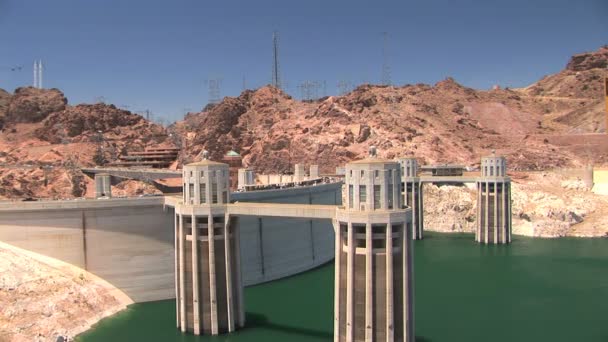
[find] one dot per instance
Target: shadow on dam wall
(129, 242)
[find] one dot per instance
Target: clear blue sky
(149, 54)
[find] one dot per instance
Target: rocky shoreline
(43, 299)
(545, 205)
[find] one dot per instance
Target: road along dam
(129, 242)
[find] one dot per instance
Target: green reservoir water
(531, 290)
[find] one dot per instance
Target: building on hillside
(152, 157)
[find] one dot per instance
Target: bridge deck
(141, 174)
(305, 211)
(448, 179)
(11, 206)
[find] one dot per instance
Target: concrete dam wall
(272, 248)
(129, 242)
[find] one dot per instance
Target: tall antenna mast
(40, 68)
(35, 74)
(276, 72)
(386, 70)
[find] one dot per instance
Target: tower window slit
(203, 190)
(377, 197)
(213, 192)
(390, 196)
(362, 194)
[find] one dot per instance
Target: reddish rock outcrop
(589, 60)
(30, 104)
(5, 98)
(85, 122)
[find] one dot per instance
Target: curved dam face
(273, 248)
(129, 242)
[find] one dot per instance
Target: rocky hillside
(44, 142)
(445, 122)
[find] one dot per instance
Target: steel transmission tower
(386, 69)
(276, 71)
(344, 87)
(214, 92)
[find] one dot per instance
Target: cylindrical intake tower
(245, 177)
(209, 288)
(493, 202)
(411, 187)
(103, 185)
(373, 257)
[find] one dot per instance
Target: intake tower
(209, 289)
(373, 276)
(493, 202)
